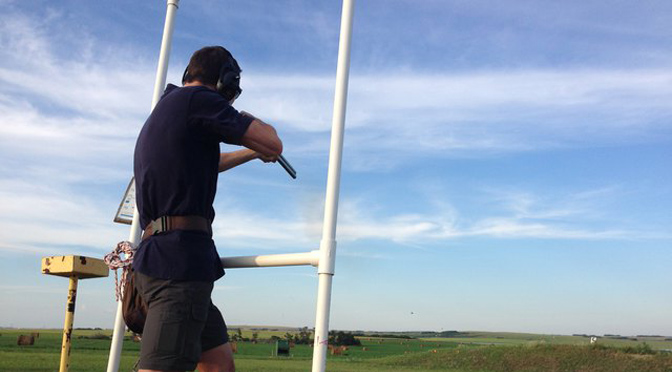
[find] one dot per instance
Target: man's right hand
(267, 158)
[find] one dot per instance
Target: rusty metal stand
(74, 268)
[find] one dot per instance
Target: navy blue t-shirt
(176, 167)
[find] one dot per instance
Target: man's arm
(262, 138)
(228, 160)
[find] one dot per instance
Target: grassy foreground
(90, 352)
(537, 358)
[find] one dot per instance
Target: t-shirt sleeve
(213, 115)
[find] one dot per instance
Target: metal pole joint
(327, 263)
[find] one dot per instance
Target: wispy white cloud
(430, 228)
(514, 215)
(67, 112)
(474, 114)
(521, 229)
(44, 218)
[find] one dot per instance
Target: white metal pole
(134, 235)
(328, 244)
(164, 55)
(272, 260)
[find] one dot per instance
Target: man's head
(215, 66)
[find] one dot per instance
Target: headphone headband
(228, 81)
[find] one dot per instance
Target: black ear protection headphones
(228, 83)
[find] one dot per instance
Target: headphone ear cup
(228, 84)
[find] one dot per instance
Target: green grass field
(474, 352)
(504, 338)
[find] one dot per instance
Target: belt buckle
(159, 225)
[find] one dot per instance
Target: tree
(304, 336)
(340, 338)
(238, 336)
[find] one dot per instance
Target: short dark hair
(206, 64)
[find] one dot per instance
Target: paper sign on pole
(127, 205)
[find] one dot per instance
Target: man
(177, 160)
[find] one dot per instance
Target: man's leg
(177, 314)
(218, 359)
(217, 354)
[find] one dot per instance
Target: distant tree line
(448, 334)
(340, 338)
(238, 336)
(390, 335)
(412, 335)
(305, 336)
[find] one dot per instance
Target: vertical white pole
(134, 235)
(328, 244)
(164, 56)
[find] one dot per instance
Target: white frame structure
(325, 258)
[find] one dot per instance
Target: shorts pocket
(172, 334)
(192, 347)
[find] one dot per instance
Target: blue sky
(506, 164)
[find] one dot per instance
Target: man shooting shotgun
(176, 165)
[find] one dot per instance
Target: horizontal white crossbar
(289, 259)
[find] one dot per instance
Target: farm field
(471, 352)
(506, 338)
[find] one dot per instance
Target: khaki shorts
(181, 323)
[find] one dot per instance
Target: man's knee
(218, 359)
(229, 366)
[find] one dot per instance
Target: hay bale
(25, 340)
